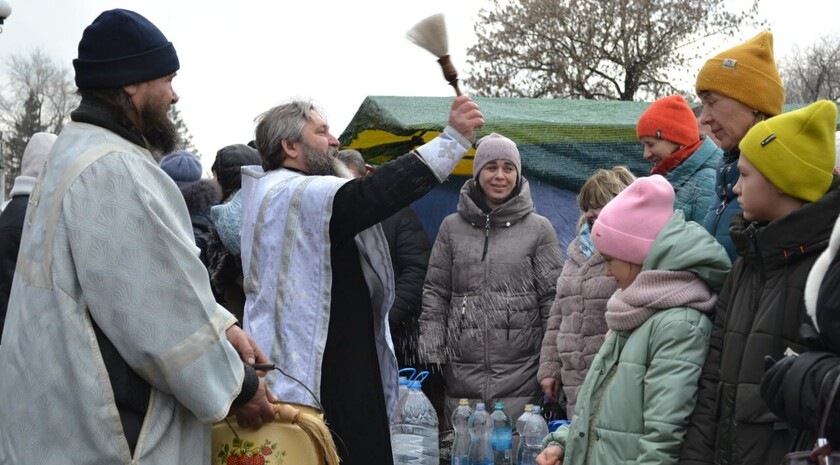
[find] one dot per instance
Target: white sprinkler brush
(431, 35)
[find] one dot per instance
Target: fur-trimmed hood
(821, 292)
(201, 195)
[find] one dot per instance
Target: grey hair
(353, 159)
(284, 121)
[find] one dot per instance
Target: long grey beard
(326, 164)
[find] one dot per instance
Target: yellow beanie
(746, 73)
(795, 150)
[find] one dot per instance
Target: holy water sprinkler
(430, 34)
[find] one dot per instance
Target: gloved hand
(772, 383)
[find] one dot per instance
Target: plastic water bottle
(414, 435)
(461, 445)
(520, 426)
(481, 429)
(502, 437)
(403, 390)
(530, 442)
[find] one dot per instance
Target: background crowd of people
(692, 321)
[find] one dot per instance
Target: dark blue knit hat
(182, 166)
(120, 48)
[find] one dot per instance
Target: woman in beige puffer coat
(489, 287)
(576, 323)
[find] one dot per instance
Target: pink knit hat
(629, 223)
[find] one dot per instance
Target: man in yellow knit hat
(738, 88)
(790, 200)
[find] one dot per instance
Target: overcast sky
(239, 58)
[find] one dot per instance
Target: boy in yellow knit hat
(738, 88)
(790, 200)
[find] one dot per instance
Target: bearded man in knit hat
(114, 350)
(790, 199)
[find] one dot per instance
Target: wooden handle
(449, 72)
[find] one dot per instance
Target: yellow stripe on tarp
(370, 138)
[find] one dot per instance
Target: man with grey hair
(318, 278)
(354, 160)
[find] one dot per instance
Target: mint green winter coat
(642, 386)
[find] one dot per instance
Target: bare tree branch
(813, 73)
(605, 49)
(37, 94)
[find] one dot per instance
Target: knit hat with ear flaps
(746, 73)
(795, 150)
(629, 223)
(182, 166)
(120, 48)
(669, 118)
(496, 147)
(36, 152)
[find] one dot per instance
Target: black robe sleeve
(363, 202)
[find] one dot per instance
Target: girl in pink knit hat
(642, 385)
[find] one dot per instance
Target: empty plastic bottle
(502, 438)
(530, 441)
(414, 434)
(481, 429)
(460, 422)
(520, 425)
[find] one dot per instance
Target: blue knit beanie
(120, 48)
(182, 167)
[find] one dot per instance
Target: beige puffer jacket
(490, 285)
(576, 324)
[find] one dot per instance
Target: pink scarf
(656, 290)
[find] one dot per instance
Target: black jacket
(11, 227)
(199, 197)
(410, 249)
(799, 388)
(759, 312)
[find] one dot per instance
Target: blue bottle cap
(554, 424)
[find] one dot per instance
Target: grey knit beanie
(496, 147)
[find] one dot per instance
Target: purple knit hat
(629, 223)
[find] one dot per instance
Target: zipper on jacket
(597, 408)
(780, 312)
(486, 360)
(719, 212)
(780, 316)
(508, 322)
(756, 250)
(486, 236)
(463, 315)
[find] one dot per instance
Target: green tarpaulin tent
(561, 141)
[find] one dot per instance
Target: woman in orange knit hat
(673, 144)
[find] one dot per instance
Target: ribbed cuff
(250, 384)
